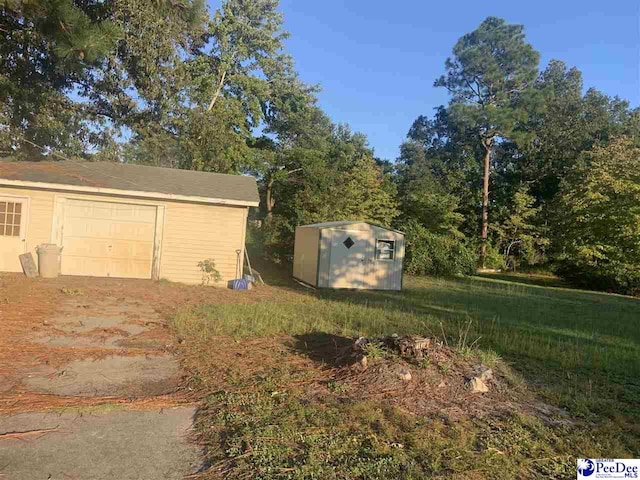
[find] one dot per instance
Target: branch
(476, 93)
(217, 92)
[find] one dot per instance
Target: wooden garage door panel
(89, 266)
(79, 227)
(110, 211)
(102, 248)
(137, 251)
(128, 268)
(108, 239)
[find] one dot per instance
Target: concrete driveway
(89, 385)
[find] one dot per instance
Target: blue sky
(376, 60)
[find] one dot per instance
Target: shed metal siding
(324, 263)
(191, 232)
(378, 275)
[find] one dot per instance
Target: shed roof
(128, 179)
(344, 223)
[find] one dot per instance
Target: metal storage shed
(349, 254)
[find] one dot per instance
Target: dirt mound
(430, 379)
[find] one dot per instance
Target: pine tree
(490, 79)
(47, 48)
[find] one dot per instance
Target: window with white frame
(385, 249)
(10, 218)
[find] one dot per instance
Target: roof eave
(128, 193)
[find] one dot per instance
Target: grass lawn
(273, 409)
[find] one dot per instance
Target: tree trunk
(269, 200)
(488, 145)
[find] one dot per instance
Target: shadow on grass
(324, 348)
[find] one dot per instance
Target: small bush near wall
(209, 271)
(428, 253)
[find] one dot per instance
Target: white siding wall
(39, 216)
(191, 232)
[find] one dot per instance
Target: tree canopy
(543, 169)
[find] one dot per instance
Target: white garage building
(120, 220)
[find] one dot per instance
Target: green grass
(578, 350)
(261, 435)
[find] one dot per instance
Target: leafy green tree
(598, 213)
(48, 47)
(142, 86)
(437, 167)
(242, 80)
(346, 184)
(332, 177)
(568, 125)
(521, 237)
(490, 78)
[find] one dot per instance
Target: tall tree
(330, 175)
(242, 76)
(47, 47)
(436, 173)
(568, 125)
(520, 236)
(490, 78)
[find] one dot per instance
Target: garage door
(105, 239)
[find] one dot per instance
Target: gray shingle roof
(140, 178)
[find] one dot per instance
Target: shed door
(105, 239)
(13, 226)
(348, 259)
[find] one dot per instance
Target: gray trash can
(49, 260)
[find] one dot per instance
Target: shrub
(606, 276)
(494, 258)
(275, 239)
(209, 271)
(428, 253)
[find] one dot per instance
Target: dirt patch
(46, 324)
(114, 375)
(84, 324)
(83, 348)
(319, 366)
(439, 385)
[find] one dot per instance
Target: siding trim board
(127, 193)
(157, 243)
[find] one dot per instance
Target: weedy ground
(279, 400)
